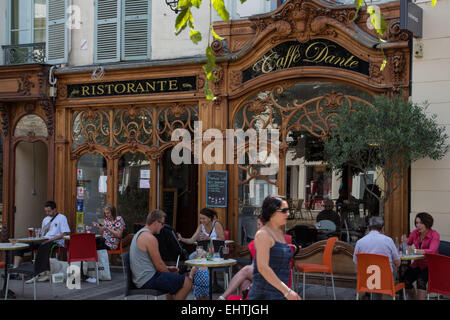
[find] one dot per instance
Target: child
(200, 278)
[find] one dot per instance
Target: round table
(30, 239)
(9, 247)
(411, 257)
(96, 236)
(211, 264)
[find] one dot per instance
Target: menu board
(216, 188)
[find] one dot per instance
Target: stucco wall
(3, 35)
(430, 180)
(83, 31)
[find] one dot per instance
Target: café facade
(106, 136)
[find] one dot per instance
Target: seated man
(376, 242)
(54, 228)
(329, 214)
(147, 267)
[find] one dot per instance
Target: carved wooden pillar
(7, 205)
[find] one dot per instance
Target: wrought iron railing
(24, 53)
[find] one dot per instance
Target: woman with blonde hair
(112, 230)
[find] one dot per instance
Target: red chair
(438, 274)
(288, 238)
(375, 269)
(326, 267)
(82, 248)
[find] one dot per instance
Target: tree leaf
(383, 65)
(377, 19)
(358, 5)
(433, 3)
(196, 36)
(219, 6)
(215, 35)
(196, 3)
(182, 20)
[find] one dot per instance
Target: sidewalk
(114, 290)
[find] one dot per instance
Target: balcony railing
(24, 53)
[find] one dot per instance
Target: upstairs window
(27, 21)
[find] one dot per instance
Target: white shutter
(107, 35)
(57, 32)
(136, 29)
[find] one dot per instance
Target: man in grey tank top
(147, 267)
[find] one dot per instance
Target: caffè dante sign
(316, 52)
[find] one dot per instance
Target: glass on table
(30, 232)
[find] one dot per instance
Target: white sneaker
(30, 281)
(91, 280)
(43, 278)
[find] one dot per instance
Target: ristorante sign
(132, 87)
(317, 52)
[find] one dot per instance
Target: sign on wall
(411, 18)
(316, 52)
(216, 188)
(132, 87)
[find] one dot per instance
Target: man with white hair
(377, 243)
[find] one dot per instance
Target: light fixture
(173, 4)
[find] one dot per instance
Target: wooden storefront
(289, 69)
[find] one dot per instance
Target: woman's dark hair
(210, 213)
(426, 219)
(270, 205)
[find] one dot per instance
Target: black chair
(444, 248)
(41, 264)
(130, 288)
(303, 236)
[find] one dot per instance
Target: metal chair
(130, 288)
(118, 251)
(41, 264)
(438, 275)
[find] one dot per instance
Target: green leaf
(215, 35)
(196, 3)
(242, 1)
(196, 36)
(219, 6)
(377, 20)
(383, 65)
(182, 20)
(433, 3)
(358, 5)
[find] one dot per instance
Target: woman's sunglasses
(284, 210)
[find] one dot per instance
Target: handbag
(103, 267)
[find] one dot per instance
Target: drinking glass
(30, 232)
(225, 252)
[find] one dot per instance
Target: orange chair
(118, 251)
(326, 267)
(375, 270)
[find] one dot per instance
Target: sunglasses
(284, 210)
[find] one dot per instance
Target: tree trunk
(381, 208)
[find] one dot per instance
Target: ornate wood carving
(376, 74)
(5, 118)
(219, 47)
(25, 85)
(48, 106)
(395, 33)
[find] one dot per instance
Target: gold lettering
(117, 86)
(130, 87)
(84, 90)
(351, 64)
(266, 66)
(140, 87)
(354, 64)
(318, 55)
(109, 86)
(173, 85)
(149, 85)
(162, 84)
(100, 89)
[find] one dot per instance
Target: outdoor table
(31, 240)
(9, 247)
(226, 242)
(68, 237)
(211, 264)
(411, 257)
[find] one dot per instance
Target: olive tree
(389, 135)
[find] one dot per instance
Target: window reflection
(134, 189)
(91, 187)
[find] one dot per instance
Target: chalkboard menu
(169, 205)
(216, 188)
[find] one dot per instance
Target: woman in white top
(209, 228)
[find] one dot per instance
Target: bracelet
(287, 292)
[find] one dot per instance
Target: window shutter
(107, 36)
(57, 32)
(136, 29)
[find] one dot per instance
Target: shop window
(31, 125)
(134, 181)
(27, 21)
(90, 126)
(91, 187)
